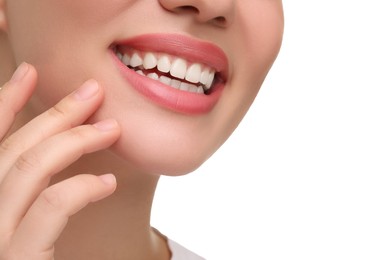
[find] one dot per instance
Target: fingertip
(108, 179)
(23, 81)
(106, 125)
(32, 70)
(20, 87)
(87, 90)
(20, 73)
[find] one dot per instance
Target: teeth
(135, 60)
(188, 87)
(126, 59)
(150, 61)
(210, 80)
(165, 80)
(152, 76)
(175, 83)
(178, 68)
(119, 55)
(140, 72)
(204, 77)
(184, 86)
(193, 73)
(164, 64)
(200, 90)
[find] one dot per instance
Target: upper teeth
(195, 73)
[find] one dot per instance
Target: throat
(117, 227)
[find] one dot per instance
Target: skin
(114, 129)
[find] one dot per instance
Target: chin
(152, 160)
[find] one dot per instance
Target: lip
(188, 48)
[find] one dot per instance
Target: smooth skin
(34, 213)
(62, 135)
(29, 158)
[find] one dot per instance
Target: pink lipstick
(177, 72)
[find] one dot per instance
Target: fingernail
(87, 90)
(106, 125)
(108, 179)
(20, 72)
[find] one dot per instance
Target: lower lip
(168, 97)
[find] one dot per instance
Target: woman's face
(165, 130)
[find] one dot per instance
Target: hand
(33, 215)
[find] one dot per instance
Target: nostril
(188, 9)
(202, 11)
(220, 20)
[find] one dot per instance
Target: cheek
(91, 13)
(50, 29)
(59, 37)
(262, 30)
(257, 39)
(155, 141)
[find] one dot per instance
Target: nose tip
(216, 12)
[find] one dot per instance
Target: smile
(169, 70)
(177, 72)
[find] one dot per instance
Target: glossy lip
(182, 46)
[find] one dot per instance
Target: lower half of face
(163, 131)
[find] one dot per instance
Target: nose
(216, 12)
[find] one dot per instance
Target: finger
(32, 171)
(14, 95)
(48, 216)
(71, 111)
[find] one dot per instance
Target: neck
(117, 227)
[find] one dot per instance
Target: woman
(163, 85)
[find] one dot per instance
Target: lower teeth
(174, 83)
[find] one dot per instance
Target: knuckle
(27, 162)
(81, 133)
(57, 111)
(59, 114)
(52, 200)
(7, 146)
(76, 132)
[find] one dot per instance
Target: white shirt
(179, 252)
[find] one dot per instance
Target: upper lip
(189, 48)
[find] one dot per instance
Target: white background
(307, 173)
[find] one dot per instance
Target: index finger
(71, 111)
(15, 94)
